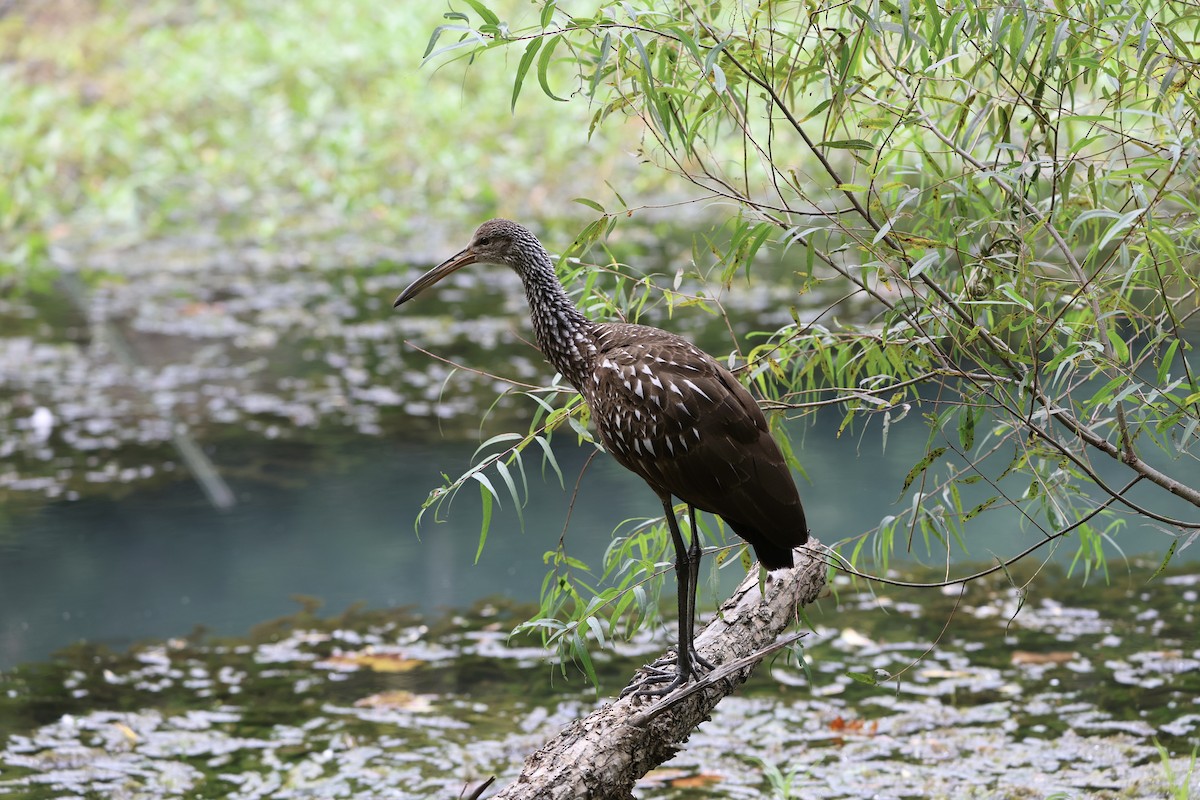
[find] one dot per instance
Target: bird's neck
(564, 334)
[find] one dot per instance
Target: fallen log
(602, 755)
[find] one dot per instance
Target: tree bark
(603, 754)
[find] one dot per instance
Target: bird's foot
(661, 677)
(655, 683)
(700, 663)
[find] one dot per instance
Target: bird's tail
(771, 554)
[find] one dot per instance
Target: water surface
(334, 520)
(292, 374)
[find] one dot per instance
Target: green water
(334, 521)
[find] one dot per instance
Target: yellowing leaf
(376, 662)
(398, 699)
(696, 781)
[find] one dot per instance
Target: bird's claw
(660, 672)
(646, 686)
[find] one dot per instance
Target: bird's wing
(672, 414)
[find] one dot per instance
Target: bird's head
(497, 241)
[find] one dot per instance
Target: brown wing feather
(673, 415)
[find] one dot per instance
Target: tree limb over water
(605, 753)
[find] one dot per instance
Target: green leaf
(979, 509)
(821, 106)
(921, 466)
(544, 65)
(580, 651)
(927, 260)
(597, 629)
(472, 38)
(1082, 143)
(710, 60)
(862, 14)
(523, 67)
(719, 82)
(502, 468)
(1129, 388)
(1166, 560)
(592, 204)
(863, 677)
(579, 428)
(966, 427)
(549, 457)
(485, 497)
(652, 97)
(486, 483)
(1164, 366)
(848, 144)
(485, 13)
(548, 13)
(499, 438)
(1120, 348)
(1123, 222)
(601, 60)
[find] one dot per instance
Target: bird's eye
(484, 241)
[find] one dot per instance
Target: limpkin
(665, 410)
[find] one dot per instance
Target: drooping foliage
(1007, 195)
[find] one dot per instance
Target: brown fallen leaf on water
(840, 725)
(936, 673)
(1165, 655)
(398, 699)
(661, 776)
(375, 661)
(1020, 657)
(696, 781)
(197, 308)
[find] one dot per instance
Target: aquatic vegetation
(388, 704)
(244, 346)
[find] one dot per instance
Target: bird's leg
(687, 567)
(693, 563)
(685, 599)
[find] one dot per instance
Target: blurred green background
(122, 121)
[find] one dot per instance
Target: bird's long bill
(455, 262)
